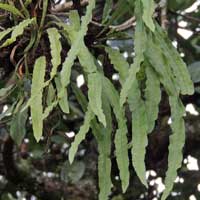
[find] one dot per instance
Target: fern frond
(18, 31)
(36, 92)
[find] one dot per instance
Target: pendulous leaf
(95, 96)
(18, 31)
(36, 93)
(177, 141)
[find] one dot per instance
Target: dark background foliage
(41, 170)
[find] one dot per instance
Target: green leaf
(152, 96)
(48, 109)
(63, 101)
(11, 9)
(81, 134)
(106, 11)
(50, 94)
(95, 96)
(80, 97)
(18, 31)
(18, 126)
(86, 59)
(176, 143)
(176, 63)
(119, 63)
(4, 91)
(36, 93)
(160, 64)
(140, 47)
(139, 131)
(72, 173)
(74, 20)
(56, 47)
(103, 136)
(67, 65)
(4, 33)
(194, 70)
(148, 10)
(121, 141)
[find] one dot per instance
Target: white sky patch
(161, 186)
(192, 197)
(100, 63)
(191, 109)
(125, 54)
(80, 80)
(169, 121)
(179, 180)
(193, 7)
(150, 173)
(70, 134)
(185, 161)
(5, 108)
(115, 77)
(182, 23)
(174, 194)
(198, 187)
(184, 33)
(192, 163)
(159, 183)
(182, 180)
(26, 140)
(175, 43)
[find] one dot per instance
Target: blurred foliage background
(41, 171)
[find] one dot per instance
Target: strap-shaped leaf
(11, 9)
(18, 31)
(176, 63)
(152, 96)
(4, 33)
(63, 101)
(36, 93)
(50, 94)
(48, 109)
(148, 10)
(74, 20)
(4, 91)
(121, 134)
(119, 63)
(107, 9)
(81, 134)
(139, 131)
(140, 47)
(67, 65)
(159, 62)
(95, 96)
(55, 45)
(177, 141)
(103, 136)
(17, 127)
(85, 57)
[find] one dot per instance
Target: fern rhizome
(155, 58)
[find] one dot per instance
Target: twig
(164, 21)
(121, 27)
(190, 18)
